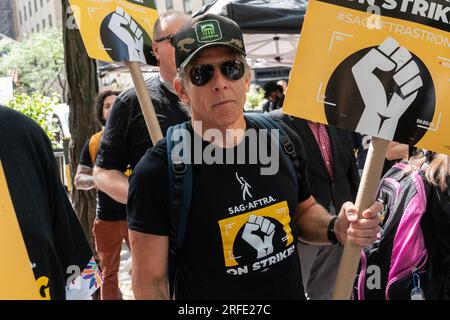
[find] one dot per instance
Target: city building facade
(36, 15)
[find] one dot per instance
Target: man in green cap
(240, 235)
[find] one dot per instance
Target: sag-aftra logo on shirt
(258, 239)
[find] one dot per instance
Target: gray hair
(171, 14)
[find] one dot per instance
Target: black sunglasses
(202, 73)
(168, 37)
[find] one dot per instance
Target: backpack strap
(288, 154)
(180, 194)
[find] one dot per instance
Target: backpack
(181, 178)
(395, 266)
(94, 144)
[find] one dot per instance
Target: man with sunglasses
(240, 235)
(126, 137)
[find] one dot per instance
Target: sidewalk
(124, 273)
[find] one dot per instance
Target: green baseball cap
(207, 30)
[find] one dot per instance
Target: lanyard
(16, 276)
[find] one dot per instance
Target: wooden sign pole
(366, 196)
(146, 103)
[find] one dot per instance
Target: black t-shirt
(436, 226)
(51, 231)
(126, 137)
(224, 255)
(107, 208)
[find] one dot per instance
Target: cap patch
(208, 31)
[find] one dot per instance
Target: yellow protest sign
(376, 67)
(17, 279)
(116, 30)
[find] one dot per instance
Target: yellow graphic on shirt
(43, 287)
(17, 278)
(255, 221)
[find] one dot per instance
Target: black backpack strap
(180, 193)
(288, 154)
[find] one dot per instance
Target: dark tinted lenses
(233, 69)
(202, 73)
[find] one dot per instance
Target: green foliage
(40, 109)
(5, 46)
(254, 98)
(37, 59)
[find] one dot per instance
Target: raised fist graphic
(380, 117)
(124, 27)
(262, 244)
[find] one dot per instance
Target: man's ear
(155, 50)
(181, 91)
(247, 81)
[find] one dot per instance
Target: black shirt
(107, 208)
(51, 231)
(436, 226)
(126, 137)
(230, 202)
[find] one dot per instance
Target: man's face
(273, 96)
(164, 51)
(220, 102)
(107, 105)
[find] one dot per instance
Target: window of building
(50, 23)
(32, 30)
(43, 23)
(42, 3)
(169, 4)
(29, 8)
(206, 1)
(37, 28)
(25, 12)
(187, 6)
(20, 17)
(35, 5)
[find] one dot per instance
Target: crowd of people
(220, 229)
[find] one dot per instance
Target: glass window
(29, 7)
(187, 6)
(37, 28)
(42, 3)
(25, 12)
(43, 23)
(50, 23)
(20, 17)
(169, 4)
(35, 5)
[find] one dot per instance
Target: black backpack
(396, 266)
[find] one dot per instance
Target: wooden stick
(145, 102)
(366, 196)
